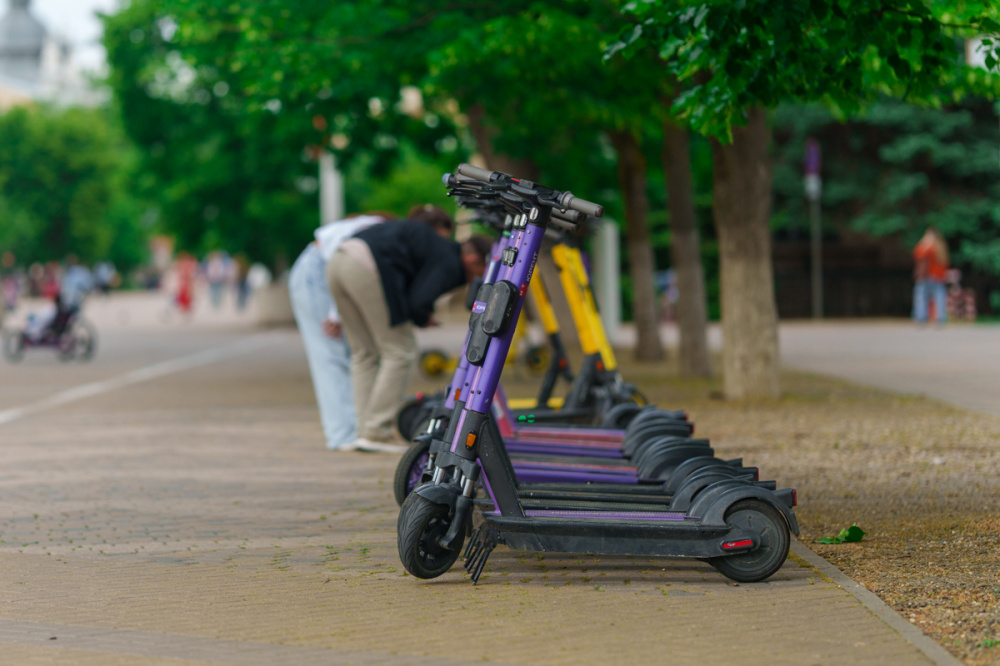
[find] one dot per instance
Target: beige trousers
(382, 356)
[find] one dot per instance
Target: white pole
(607, 276)
(331, 190)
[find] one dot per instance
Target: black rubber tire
(642, 416)
(619, 416)
(406, 470)
(638, 438)
(86, 339)
(407, 418)
(421, 523)
(13, 345)
(773, 541)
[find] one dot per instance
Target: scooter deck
(644, 533)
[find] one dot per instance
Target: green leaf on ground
(850, 534)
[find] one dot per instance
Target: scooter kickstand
(483, 541)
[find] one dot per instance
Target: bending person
(385, 280)
(318, 320)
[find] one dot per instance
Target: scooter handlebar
(567, 200)
(474, 172)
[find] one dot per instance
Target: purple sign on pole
(814, 157)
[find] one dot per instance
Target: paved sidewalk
(958, 363)
(191, 515)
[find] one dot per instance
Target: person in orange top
(931, 263)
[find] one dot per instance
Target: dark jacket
(416, 266)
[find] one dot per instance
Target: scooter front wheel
(421, 523)
(410, 470)
(769, 531)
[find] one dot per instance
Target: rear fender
(713, 502)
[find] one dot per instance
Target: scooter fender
(619, 414)
(713, 502)
(661, 445)
(696, 483)
(445, 495)
(661, 461)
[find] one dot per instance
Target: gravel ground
(920, 477)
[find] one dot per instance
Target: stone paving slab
(196, 516)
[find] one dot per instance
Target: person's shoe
(346, 446)
(372, 446)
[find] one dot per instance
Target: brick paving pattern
(196, 518)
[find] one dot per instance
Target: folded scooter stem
(461, 369)
(471, 423)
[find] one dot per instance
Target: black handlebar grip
(474, 172)
(567, 200)
(569, 217)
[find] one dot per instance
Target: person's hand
(332, 328)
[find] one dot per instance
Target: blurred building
(35, 65)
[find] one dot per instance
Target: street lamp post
(814, 189)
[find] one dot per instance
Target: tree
(737, 61)
(527, 75)
(898, 168)
(685, 252)
(65, 178)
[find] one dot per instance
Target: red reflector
(732, 545)
(600, 366)
(756, 475)
(795, 497)
(420, 395)
(562, 363)
(458, 393)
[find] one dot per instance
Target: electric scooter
(597, 395)
(645, 453)
(740, 528)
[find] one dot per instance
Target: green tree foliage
(65, 181)
(229, 103)
(898, 168)
(737, 60)
(536, 68)
(733, 56)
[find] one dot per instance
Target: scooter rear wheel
(771, 533)
(410, 470)
(421, 523)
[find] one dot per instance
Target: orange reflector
(732, 545)
(563, 363)
(458, 392)
(600, 366)
(470, 440)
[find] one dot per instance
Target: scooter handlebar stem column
(527, 240)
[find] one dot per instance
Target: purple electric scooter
(573, 455)
(740, 528)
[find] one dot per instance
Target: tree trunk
(685, 252)
(484, 134)
(632, 182)
(742, 206)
